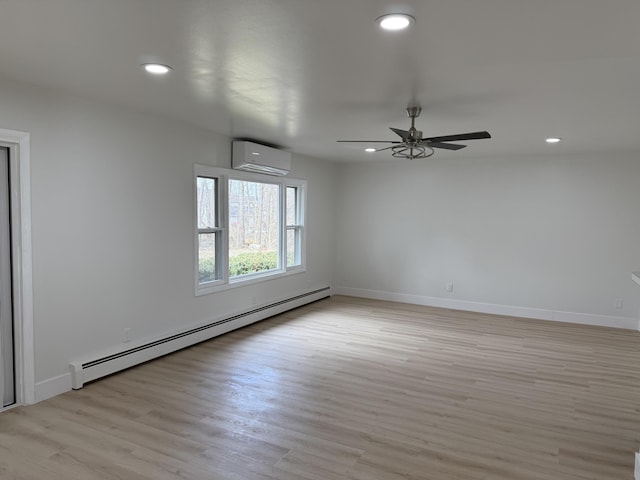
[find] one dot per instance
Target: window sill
(248, 280)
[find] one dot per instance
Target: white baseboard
(53, 386)
(510, 310)
(100, 365)
(63, 383)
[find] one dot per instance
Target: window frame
(298, 226)
(223, 280)
(219, 231)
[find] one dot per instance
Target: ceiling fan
(414, 146)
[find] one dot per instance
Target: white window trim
(221, 191)
(222, 203)
(301, 185)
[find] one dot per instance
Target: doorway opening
(17, 356)
(7, 359)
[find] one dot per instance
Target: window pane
(206, 199)
(293, 247)
(292, 205)
(254, 227)
(206, 257)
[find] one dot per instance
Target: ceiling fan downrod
(414, 135)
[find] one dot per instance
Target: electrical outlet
(126, 335)
(449, 287)
(618, 303)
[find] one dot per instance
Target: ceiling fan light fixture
(395, 21)
(412, 152)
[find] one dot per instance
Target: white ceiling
(304, 73)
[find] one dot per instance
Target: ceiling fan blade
(365, 141)
(402, 133)
(460, 136)
(446, 146)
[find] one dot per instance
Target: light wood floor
(352, 389)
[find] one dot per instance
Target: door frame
(18, 143)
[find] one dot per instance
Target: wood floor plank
(352, 389)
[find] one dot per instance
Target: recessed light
(157, 68)
(369, 150)
(553, 140)
(395, 21)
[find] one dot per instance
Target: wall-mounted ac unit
(253, 157)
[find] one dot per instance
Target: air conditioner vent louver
(256, 158)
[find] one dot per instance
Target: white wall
(547, 236)
(112, 210)
(112, 227)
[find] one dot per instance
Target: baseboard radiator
(86, 371)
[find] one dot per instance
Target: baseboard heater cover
(83, 372)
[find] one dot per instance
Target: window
(294, 225)
(209, 231)
(254, 227)
(249, 227)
